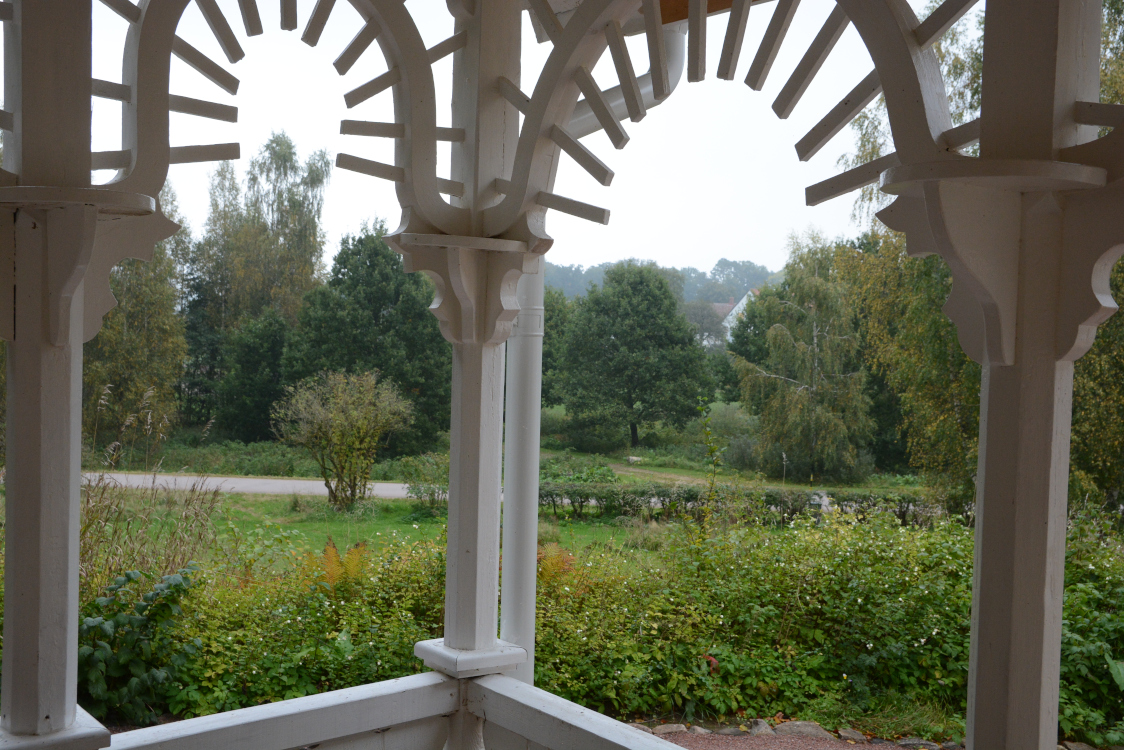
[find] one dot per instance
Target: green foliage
(1097, 446)
(331, 622)
(140, 349)
(427, 479)
(187, 452)
(372, 315)
(573, 469)
(631, 358)
(261, 249)
(341, 420)
(810, 386)
(252, 382)
(910, 343)
(128, 647)
(557, 309)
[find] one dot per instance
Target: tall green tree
(814, 411)
(253, 377)
(631, 357)
(913, 346)
(372, 315)
(262, 249)
(557, 309)
(141, 345)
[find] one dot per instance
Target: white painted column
(1021, 511)
(477, 279)
(47, 86)
(472, 566)
(42, 503)
(1040, 56)
(521, 473)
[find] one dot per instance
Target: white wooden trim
(210, 69)
(1098, 113)
(630, 87)
(373, 129)
(600, 108)
(221, 29)
(941, 20)
(696, 40)
(201, 108)
(840, 116)
(372, 87)
(357, 46)
(732, 42)
(304, 721)
(570, 206)
(288, 15)
(852, 179)
(657, 52)
(370, 167)
(123, 8)
(118, 92)
(771, 43)
(251, 19)
(210, 152)
(316, 22)
(550, 721)
(588, 161)
(811, 63)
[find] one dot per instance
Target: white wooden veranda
(1030, 229)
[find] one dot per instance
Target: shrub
(427, 479)
(341, 420)
(127, 646)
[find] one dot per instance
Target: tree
(710, 327)
(910, 343)
(261, 249)
(630, 357)
(341, 420)
(372, 315)
(253, 379)
(814, 411)
(557, 309)
(141, 344)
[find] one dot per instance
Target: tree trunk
(635, 434)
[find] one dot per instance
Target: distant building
(732, 310)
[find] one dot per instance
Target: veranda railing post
(43, 250)
(523, 413)
(476, 278)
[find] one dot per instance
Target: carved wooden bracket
(476, 279)
(82, 233)
(978, 215)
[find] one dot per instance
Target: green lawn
(379, 520)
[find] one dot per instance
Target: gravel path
(746, 742)
(251, 485)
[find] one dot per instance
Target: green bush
(833, 616)
(328, 623)
(771, 505)
(128, 646)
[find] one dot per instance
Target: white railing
(410, 713)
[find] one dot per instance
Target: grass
(380, 519)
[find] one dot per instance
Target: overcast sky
(709, 174)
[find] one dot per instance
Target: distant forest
(728, 281)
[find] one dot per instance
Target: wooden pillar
(47, 82)
(521, 474)
(476, 304)
(1021, 510)
(1040, 56)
